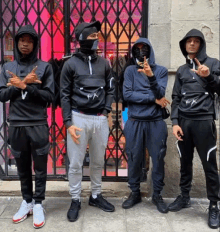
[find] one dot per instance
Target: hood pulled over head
(201, 55)
(146, 50)
(32, 57)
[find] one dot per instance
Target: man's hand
(146, 69)
(32, 77)
(203, 71)
(178, 133)
(16, 81)
(72, 130)
(162, 102)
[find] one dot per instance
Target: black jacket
(31, 109)
(86, 85)
(190, 99)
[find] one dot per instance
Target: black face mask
(141, 53)
(88, 45)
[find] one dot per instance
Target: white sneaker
(25, 209)
(38, 216)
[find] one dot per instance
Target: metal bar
(116, 87)
(26, 15)
(145, 12)
(62, 178)
(5, 139)
(1, 29)
(66, 12)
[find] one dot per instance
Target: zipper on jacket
(90, 65)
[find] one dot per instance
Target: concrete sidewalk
(142, 217)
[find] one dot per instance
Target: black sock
(213, 203)
(28, 201)
(38, 202)
(156, 193)
(185, 194)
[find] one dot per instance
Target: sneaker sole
(128, 207)
(213, 227)
(176, 210)
(159, 209)
(73, 220)
(23, 218)
(106, 210)
(41, 225)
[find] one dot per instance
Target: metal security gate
(123, 21)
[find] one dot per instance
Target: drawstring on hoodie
(90, 65)
(193, 63)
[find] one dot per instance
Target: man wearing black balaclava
(28, 83)
(193, 113)
(144, 90)
(86, 96)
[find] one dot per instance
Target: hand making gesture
(32, 77)
(146, 69)
(16, 81)
(72, 130)
(203, 70)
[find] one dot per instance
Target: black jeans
(202, 135)
(27, 143)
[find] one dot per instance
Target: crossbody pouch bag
(215, 96)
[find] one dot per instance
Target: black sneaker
(213, 220)
(101, 203)
(158, 201)
(133, 199)
(73, 212)
(179, 203)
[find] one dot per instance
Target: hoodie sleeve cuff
(175, 122)
(210, 78)
(29, 88)
(68, 124)
(152, 79)
(105, 112)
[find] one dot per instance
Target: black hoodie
(86, 84)
(27, 107)
(190, 99)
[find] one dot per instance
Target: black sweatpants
(29, 142)
(139, 136)
(202, 135)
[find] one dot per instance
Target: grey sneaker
(38, 216)
(24, 210)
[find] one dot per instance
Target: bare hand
(32, 77)
(162, 102)
(16, 81)
(147, 69)
(203, 70)
(178, 133)
(72, 130)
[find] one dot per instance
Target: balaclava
(88, 45)
(141, 53)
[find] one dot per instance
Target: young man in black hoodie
(28, 83)
(86, 97)
(193, 114)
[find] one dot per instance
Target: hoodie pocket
(16, 154)
(195, 102)
(90, 97)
